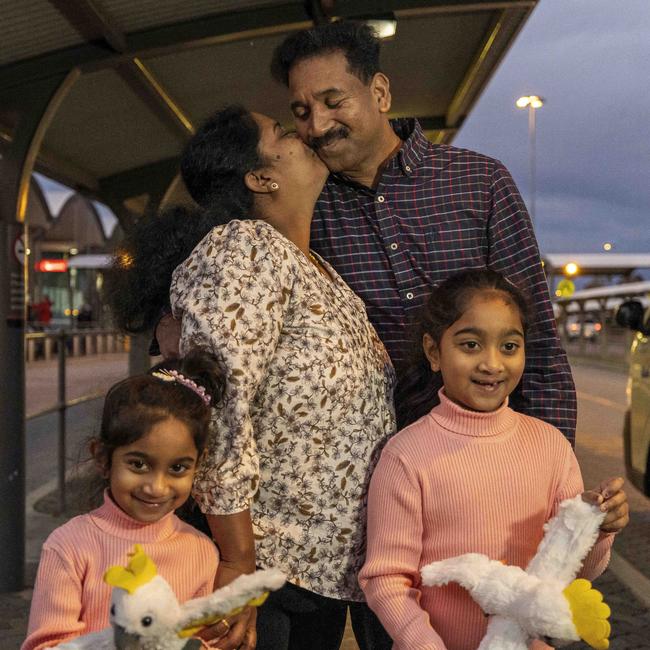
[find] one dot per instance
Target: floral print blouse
(307, 404)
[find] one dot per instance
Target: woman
(307, 403)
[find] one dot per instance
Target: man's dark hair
(357, 41)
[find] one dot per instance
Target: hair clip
(177, 377)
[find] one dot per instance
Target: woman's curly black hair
(213, 166)
(137, 285)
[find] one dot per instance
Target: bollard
(31, 350)
(89, 344)
(76, 345)
(47, 345)
(110, 343)
(100, 343)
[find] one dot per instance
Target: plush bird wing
(245, 590)
(538, 602)
(569, 537)
(95, 641)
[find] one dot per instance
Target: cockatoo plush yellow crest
(544, 600)
(138, 572)
(145, 614)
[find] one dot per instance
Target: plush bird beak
(125, 641)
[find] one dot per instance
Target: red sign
(52, 266)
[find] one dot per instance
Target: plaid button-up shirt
(438, 210)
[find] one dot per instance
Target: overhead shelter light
(385, 25)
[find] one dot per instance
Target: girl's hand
(235, 633)
(611, 498)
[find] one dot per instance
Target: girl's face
(481, 356)
(153, 475)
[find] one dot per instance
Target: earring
(275, 186)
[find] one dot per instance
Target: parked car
(636, 430)
(591, 328)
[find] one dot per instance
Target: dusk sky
(590, 61)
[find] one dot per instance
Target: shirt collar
(415, 144)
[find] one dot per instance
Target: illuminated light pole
(532, 103)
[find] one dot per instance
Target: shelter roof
(142, 75)
(597, 263)
(627, 290)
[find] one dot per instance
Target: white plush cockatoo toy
(544, 601)
(145, 614)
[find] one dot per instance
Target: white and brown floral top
(307, 405)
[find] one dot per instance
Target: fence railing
(63, 343)
(81, 342)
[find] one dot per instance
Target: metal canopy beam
(145, 85)
(502, 31)
(90, 22)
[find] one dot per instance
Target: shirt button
(380, 199)
(409, 296)
(408, 169)
(393, 246)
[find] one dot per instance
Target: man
(399, 214)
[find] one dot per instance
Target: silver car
(636, 432)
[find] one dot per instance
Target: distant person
(85, 316)
(471, 476)
(398, 214)
(153, 432)
(43, 311)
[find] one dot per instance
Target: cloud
(589, 60)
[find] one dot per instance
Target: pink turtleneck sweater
(70, 597)
(454, 482)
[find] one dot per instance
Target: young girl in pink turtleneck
(472, 475)
(153, 431)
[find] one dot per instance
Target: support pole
(34, 107)
(62, 342)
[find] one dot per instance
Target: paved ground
(601, 397)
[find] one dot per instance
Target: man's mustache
(332, 135)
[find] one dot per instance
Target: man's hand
(234, 633)
(611, 499)
(168, 335)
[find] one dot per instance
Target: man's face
(336, 114)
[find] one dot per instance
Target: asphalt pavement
(601, 394)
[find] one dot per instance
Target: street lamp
(532, 103)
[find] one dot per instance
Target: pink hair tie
(175, 376)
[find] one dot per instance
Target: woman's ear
(381, 91)
(259, 183)
(431, 352)
(100, 458)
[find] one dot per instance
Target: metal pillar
(33, 108)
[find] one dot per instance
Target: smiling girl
(472, 475)
(152, 435)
